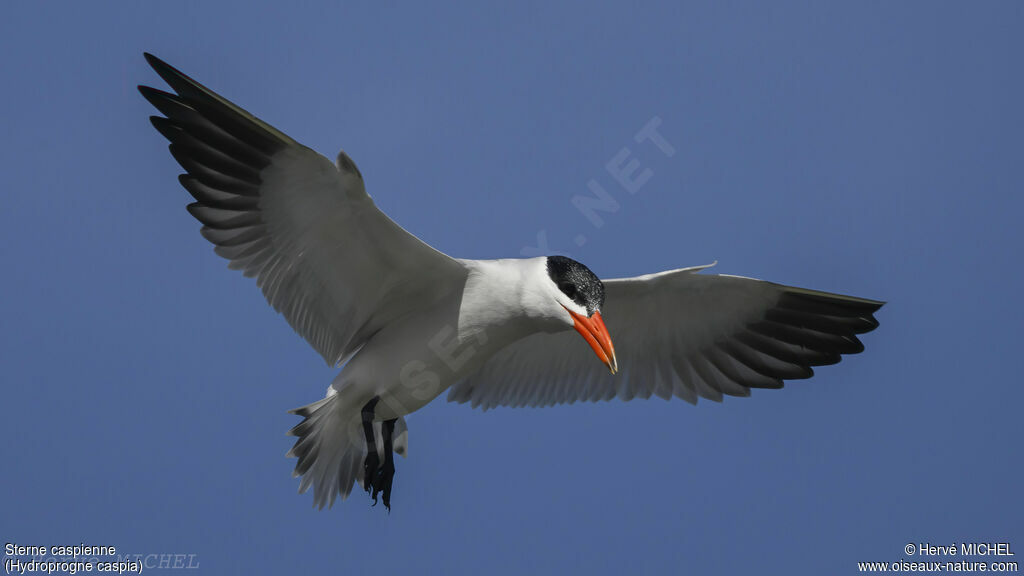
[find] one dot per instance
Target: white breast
(413, 360)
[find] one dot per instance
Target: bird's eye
(568, 289)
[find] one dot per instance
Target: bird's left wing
(679, 333)
(334, 265)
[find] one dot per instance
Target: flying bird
(409, 322)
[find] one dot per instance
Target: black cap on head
(577, 282)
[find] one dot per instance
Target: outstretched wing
(680, 333)
(325, 257)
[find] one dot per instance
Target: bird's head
(581, 294)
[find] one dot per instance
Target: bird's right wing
(679, 333)
(334, 265)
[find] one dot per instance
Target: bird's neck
(505, 299)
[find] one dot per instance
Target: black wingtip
(155, 96)
(155, 62)
(213, 107)
(165, 127)
(146, 91)
(178, 80)
(162, 68)
(874, 305)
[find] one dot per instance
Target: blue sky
(872, 149)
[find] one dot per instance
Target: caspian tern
(409, 322)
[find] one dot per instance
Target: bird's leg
(387, 472)
(372, 462)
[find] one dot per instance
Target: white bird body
(417, 357)
(409, 322)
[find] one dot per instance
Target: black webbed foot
(372, 463)
(386, 474)
(377, 479)
(371, 473)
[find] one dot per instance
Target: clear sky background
(872, 149)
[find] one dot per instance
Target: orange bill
(596, 334)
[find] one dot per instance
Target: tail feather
(331, 448)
